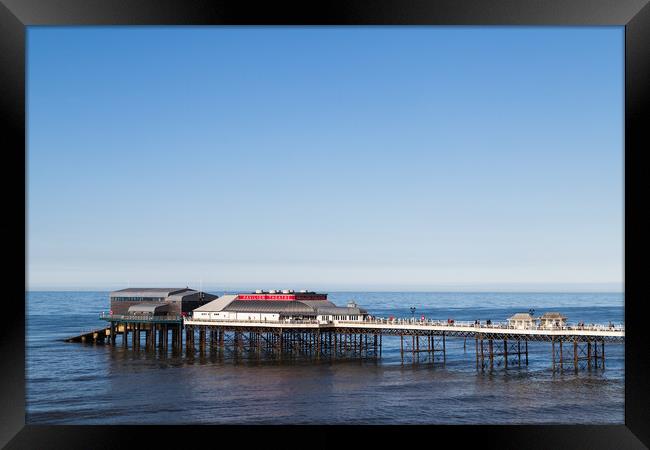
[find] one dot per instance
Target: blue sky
(326, 157)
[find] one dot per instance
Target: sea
(73, 383)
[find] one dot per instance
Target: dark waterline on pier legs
(98, 384)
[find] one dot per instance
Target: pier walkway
(451, 329)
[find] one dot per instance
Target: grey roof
(553, 315)
(148, 292)
(317, 303)
(149, 307)
(290, 306)
(341, 311)
(521, 316)
(218, 304)
(269, 306)
(179, 296)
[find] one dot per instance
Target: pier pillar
(505, 352)
(575, 353)
(202, 339)
(490, 344)
(112, 333)
(188, 341)
(589, 353)
(526, 341)
(553, 351)
(444, 348)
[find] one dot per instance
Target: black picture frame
(16, 15)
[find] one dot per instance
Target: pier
(287, 325)
(497, 345)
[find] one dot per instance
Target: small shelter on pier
(552, 320)
(522, 321)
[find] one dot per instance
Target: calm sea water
(71, 383)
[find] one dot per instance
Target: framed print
(347, 217)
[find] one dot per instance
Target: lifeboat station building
(157, 301)
(276, 306)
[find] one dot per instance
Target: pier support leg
(553, 352)
(416, 348)
(444, 349)
(526, 341)
(491, 353)
(505, 352)
(188, 341)
(201, 340)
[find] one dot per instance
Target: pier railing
(493, 325)
(140, 318)
(289, 321)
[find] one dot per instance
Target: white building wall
(268, 316)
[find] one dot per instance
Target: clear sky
(326, 157)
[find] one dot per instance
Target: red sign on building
(284, 297)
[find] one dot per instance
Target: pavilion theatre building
(276, 306)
